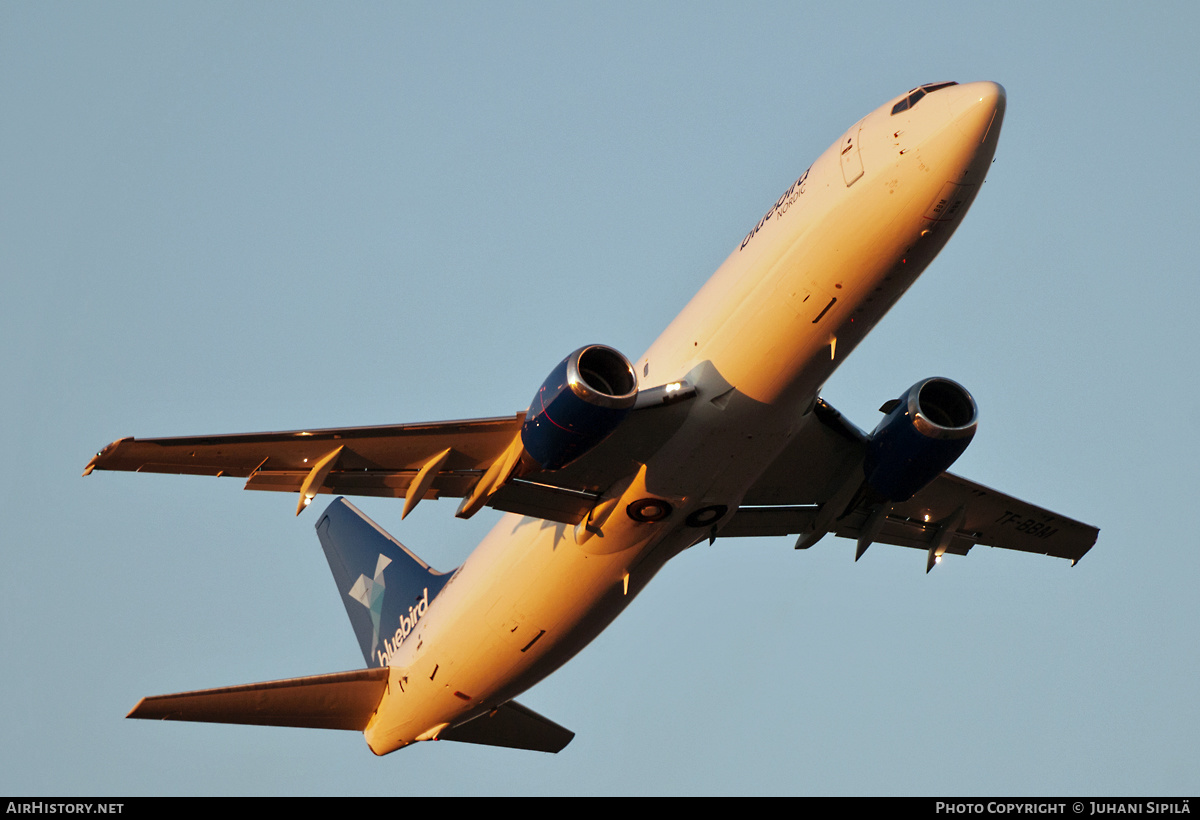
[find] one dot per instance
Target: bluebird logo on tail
(369, 593)
(360, 555)
(408, 622)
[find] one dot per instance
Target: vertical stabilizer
(385, 588)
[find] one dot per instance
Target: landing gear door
(852, 166)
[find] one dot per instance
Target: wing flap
(904, 532)
(546, 501)
(767, 521)
(384, 483)
(343, 700)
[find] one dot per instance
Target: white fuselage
(758, 341)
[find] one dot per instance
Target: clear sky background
(229, 217)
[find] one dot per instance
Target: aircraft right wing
(378, 461)
(412, 461)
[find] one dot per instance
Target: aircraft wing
(379, 461)
(411, 461)
(822, 465)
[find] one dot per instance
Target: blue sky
(233, 217)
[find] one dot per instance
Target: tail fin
(385, 588)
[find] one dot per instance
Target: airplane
(618, 465)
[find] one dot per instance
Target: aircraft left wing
(951, 515)
(816, 487)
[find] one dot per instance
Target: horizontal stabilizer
(344, 700)
(512, 726)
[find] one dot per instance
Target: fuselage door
(852, 166)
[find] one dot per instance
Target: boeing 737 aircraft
(617, 466)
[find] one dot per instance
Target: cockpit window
(917, 93)
(908, 102)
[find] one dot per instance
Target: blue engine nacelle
(578, 406)
(925, 430)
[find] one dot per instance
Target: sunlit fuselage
(758, 341)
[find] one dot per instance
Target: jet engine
(578, 406)
(925, 430)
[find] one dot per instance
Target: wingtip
(91, 465)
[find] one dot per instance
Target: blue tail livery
(385, 588)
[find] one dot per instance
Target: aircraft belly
(531, 597)
(755, 345)
(748, 405)
(520, 593)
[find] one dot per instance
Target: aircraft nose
(977, 109)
